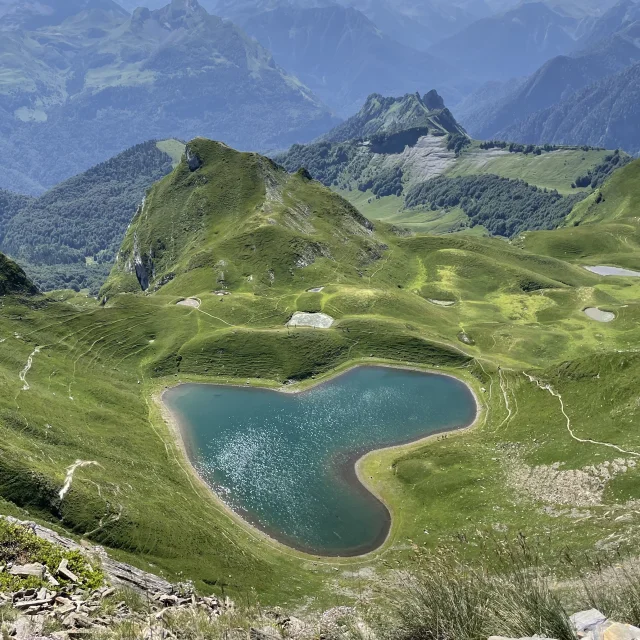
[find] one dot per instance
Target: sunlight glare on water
(286, 461)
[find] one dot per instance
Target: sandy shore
(352, 469)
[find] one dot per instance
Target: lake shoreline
(350, 468)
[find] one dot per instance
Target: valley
(406, 161)
(320, 319)
(545, 373)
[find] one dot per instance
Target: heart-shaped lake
(286, 461)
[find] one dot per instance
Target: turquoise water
(285, 462)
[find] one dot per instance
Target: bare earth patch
(442, 303)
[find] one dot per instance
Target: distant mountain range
(343, 57)
(510, 44)
(415, 23)
(564, 101)
(86, 77)
(604, 114)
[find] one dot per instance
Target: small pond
(601, 316)
(286, 461)
(613, 271)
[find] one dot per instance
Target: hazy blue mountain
(512, 44)
(414, 23)
(389, 115)
(617, 18)
(575, 8)
(18, 14)
(94, 85)
(343, 57)
(420, 23)
(561, 76)
(604, 114)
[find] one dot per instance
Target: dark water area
(286, 462)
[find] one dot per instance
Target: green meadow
(552, 455)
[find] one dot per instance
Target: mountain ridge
(344, 57)
(389, 115)
(259, 232)
(136, 81)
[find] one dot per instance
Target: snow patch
(27, 367)
(70, 471)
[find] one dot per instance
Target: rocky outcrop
(143, 265)
(117, 573)
(78, 610)
(193, 160)
(593, 625)
(433, 100)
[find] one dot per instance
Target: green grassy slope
(552, 170)
(94, 371)
(242, 223)
(602, 229)
(375, 174)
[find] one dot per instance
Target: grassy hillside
(238, 222)
(552, 170)
(378, 173)
(81, 379)
(602, 229)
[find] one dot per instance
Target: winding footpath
(555, 394)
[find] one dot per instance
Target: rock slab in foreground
(593, 625)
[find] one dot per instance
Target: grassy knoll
(79, 381)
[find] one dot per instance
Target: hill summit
(231, 221)
(389, 115)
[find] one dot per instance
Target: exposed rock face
(143, 265)
(141, 273)
(313, 320)
(192, 158)
(433, 100)
(118, 573)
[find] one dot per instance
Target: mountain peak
(433, 100)
(254, 225)
(381, 114)
(180, 13)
